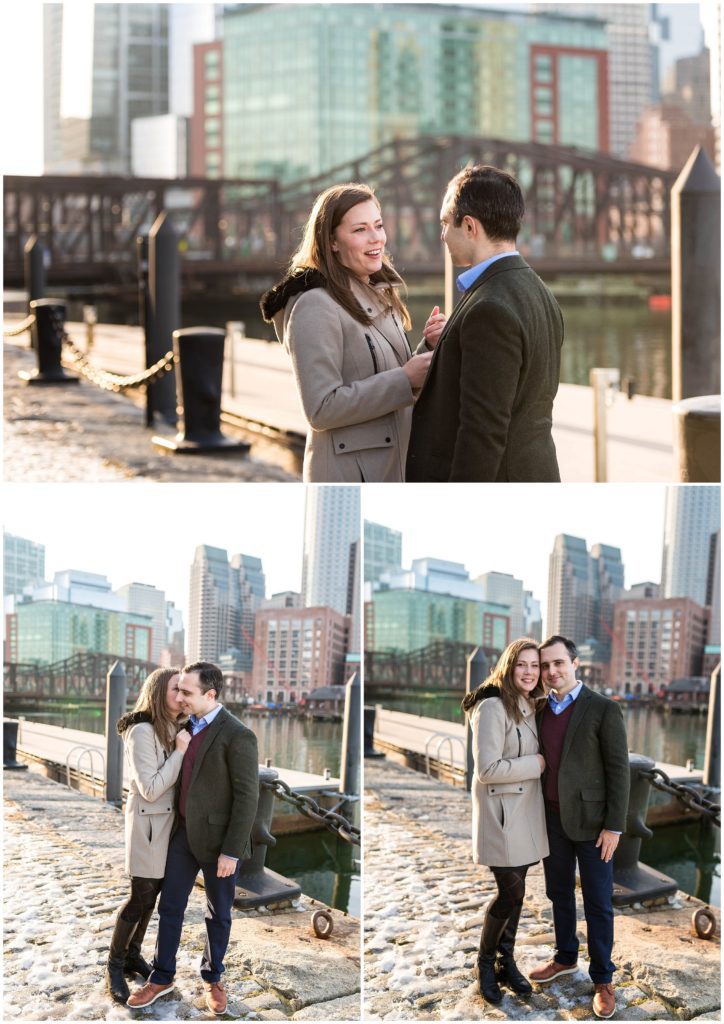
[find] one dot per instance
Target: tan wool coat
(509, 827)
(150, 806)
(355, 395)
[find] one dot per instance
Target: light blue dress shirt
(557, 706)
(471, 275)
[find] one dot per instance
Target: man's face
(193, 701)
(457, 239)
(557, 669)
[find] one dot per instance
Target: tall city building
(582, 589)
(311, 86)
(383, 550)
(248, 592)
(533, 617)
(299, 649)
(52, 68)
(503, 588)
(175, 637)
(211, 618)
(692, 515)
(207, 123)
(144, 599)
(331, 526)
(23, 563)
(656, 641)
(632, 63)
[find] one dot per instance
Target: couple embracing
(191, 805)
(474, 401)
(551, 782)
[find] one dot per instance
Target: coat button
(388, 440)
(341, 446)
(369, 309)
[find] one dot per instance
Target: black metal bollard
(34, 269)
(712, 758)
(349, 775)
(369, 732)
(477, 670)
(115, 707)
(697, 439)
(632, 881)
(48, 343)
(163, 314)
(200, 361)
(10, 746)
(256, 885)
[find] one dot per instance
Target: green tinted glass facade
(307, 87)
(49, 631)
(406, 620)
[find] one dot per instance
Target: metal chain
(21, 328)
(103, 378)
(688, 796)
(330, 819)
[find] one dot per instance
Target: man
(217, 796)
(585, 789)
(484, 411)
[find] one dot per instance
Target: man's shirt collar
(557, 706)
(470, 276)
(197, 724)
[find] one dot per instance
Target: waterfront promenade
(64, 881)
(424, 906)
(99, 426)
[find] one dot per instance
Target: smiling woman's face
(359, 240)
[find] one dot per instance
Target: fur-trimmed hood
(276, 299)
(131, 718)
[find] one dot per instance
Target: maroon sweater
(552, 734)
(187, 769)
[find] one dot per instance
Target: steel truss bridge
(586, 212)
(82, 677)
(440, 666)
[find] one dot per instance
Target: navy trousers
(181, 871)
(597, 889)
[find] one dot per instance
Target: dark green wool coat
(593, 778)
(224, 791)
(485, 410)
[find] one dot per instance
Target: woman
(340, 317)
(509, 831)
(155, 751)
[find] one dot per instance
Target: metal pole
(476, 672)
(696, 279)
(234, 329)
(351, 738)
(712, 758)
(601, 379)
(164, 284)
(115, 707)
(34, 266)
(90, 318)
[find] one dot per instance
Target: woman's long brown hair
(502, 678)
(152, 700)
(316, 252)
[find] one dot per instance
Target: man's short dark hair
(489, 195)
(210, 677)
(556, 639)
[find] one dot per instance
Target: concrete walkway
(261, 388)
(424, 906)
(63, 883)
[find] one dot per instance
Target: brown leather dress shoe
(148, 994)
(215, 996)
(604, 1001)
(550, 971)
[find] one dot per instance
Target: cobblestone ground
(78, 432)
(63, 884)
(424, 906)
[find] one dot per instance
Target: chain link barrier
(103, 378)
(332, 821)
(21, 328)
(688, 796)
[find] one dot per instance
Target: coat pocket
(593, 802)
(379, 433)
(495, 788)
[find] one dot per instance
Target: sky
(21, 41)
(148, 533)
(511, 528)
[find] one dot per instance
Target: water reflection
(325, 867)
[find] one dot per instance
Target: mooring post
(476, 672)
(164, 313)
(712, 757)
(257, 885)
(349, 775)
(115, 707)
(34, 269)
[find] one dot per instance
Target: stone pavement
(424, 907)
(64, 881)
(78, 432)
